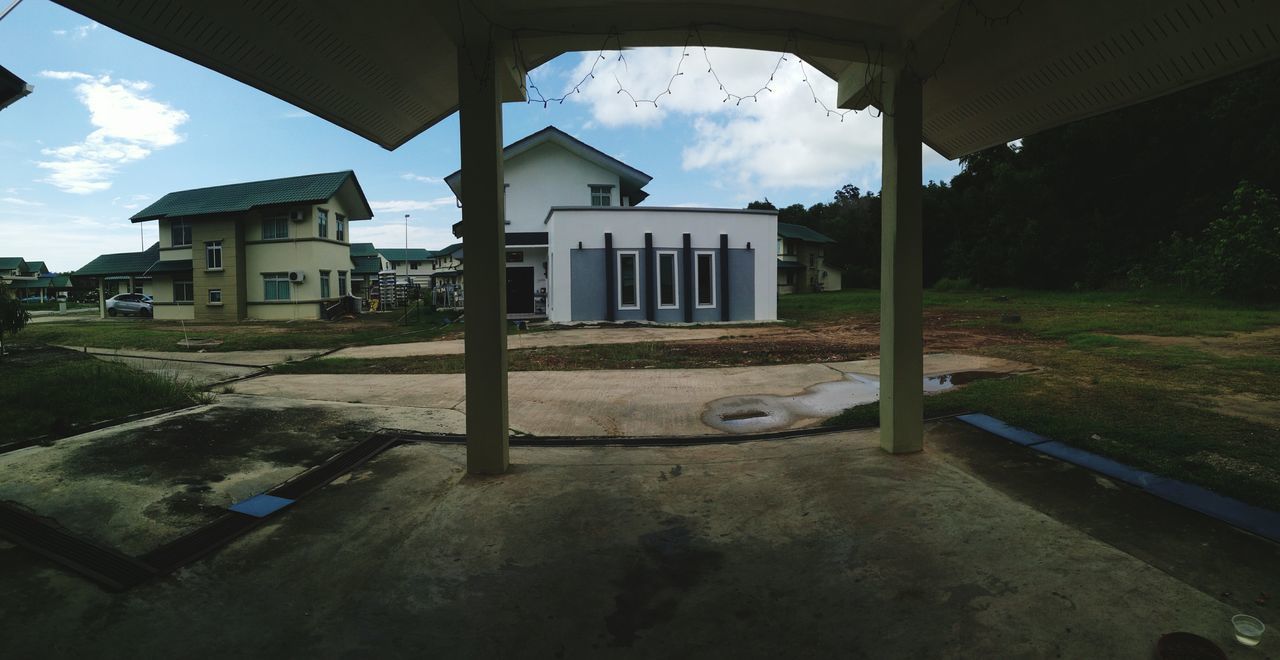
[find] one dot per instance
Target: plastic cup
(1248, 629)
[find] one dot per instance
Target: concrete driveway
(627, 402)
(817, 547)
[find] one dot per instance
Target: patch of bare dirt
(1250, 407)
(1238, 344)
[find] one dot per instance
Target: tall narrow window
(342, 283)
(705, 278)
(179, 233)
(668, 282)
(628, 296)
(341, 226)
(324, 284)
(601, 195)
(277, 227)
(275, 286)
(322, 223)
(213, 255)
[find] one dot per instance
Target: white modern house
(579, 248)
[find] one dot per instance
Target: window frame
(635, 279)
(209, 250)
(272, 221)
(211, 297)
(598, 188)
(184, 227)
(325, 290)
(190, 290)
(675, 279)
(276, 279)
(342, 284)
(322, 222)
(340, 227)
(697, 279)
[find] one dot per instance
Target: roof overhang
(12, 88)
(995, 70)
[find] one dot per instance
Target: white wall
(547, 176)
(629, 225)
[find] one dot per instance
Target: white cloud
(406, 205)
(431, 236)
(20, 202)
(130, 202)
(780, 138)
(418, 178)
(77, 32)
(129, 126)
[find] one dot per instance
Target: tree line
(1175, 192)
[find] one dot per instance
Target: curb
(1256, 520)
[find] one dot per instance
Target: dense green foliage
(1083, 205)
(13, 316)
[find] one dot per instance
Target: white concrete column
(901, 269)
(483, 238)
(102, 297)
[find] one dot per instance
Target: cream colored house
(277, 249)
(802, 261)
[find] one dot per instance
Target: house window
(515, 257)
(342, 283)
(341, 221)
(668, 280)
(183, 292)
(275, 286)
(705, 278)
(179, 233)
(215, 296)
(324, 284)
(213, 255)
(628, 293)
(413, 265)
(322, 223)
(601, 195)
(790, 278)
(277, 227)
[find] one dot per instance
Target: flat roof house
(579, 249)
(276, 249)
(802, 260)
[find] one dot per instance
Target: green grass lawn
(47, 391)
(1153, 405)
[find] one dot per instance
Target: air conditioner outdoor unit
(297, 276)
(297, 216)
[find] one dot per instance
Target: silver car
(129, 303)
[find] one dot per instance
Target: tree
(13, 317)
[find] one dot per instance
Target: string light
(873, 80)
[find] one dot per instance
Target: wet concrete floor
(815, 547)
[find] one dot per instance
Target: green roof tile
(10, 263)
(238, 197)
(798, 232)
(405, 254)
(123, 263)
(366, 265)
(363, 250)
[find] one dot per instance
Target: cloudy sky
(114, 124)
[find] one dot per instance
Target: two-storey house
(802, 260)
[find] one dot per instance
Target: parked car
(30, 299)
(129, 303)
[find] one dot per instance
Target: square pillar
(901, 268)
(483, 241)
(102, 297)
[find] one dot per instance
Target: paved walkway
(630, 402)
(262, 358)
(570, 337)
(809, 547)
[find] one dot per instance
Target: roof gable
(240, 197)
(632, 179)
(122, 263)
(363, 250)
(404, 254)
(13, 263)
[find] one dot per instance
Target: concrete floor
(260, 358)
(624, 402)
(815, 547)
(568, 337)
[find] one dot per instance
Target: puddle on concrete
(758, 413)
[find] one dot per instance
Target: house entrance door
(520, 290)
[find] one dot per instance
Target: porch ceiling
(389, 73)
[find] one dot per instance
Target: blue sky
(114, 124)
